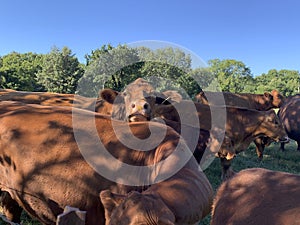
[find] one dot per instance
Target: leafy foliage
(231, 74)
(287, 81)
(109, 68)
(115, 67)
(18, 71)
(60, 71)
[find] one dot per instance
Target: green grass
(287, 161)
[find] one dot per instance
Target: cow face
(135, 209)
(137, 100)
(273, 99)
(273, 128)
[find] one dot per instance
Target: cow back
(258, 196)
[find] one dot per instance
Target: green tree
(168, 69)
(96, 54)
(109, 68)
(60, 71)
(232, 75)
(285, 81)
(18, 71)
(196, 80)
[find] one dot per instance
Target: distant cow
(261, 102)
(258, 196)
(241, 126)
(43, 169)
(289, 114)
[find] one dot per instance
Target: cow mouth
(138, 117)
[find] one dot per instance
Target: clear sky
(264, 34)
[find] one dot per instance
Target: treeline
(114, 67)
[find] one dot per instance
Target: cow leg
(227, 172)
(282, 146)
(260, 147)
(10, 207)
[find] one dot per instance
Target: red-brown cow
(289, 114)
(261, 102)
(139, 90)
(57, 99)
(136, 101)
(241, 126)
(258, 196)
(43, 169)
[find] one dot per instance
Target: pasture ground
(287, 161)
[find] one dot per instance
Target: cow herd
(135, 157)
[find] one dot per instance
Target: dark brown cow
(261, 102)
(258, 196)
(241, 125)
(289, 114)
(43, 169)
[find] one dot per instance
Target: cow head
(201, 98)
(278, 99)
(137, 100)
(272, 127)
(135, 209)
(274, 99)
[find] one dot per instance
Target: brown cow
(43, 168)
(261, 102)
(258, 196)
(57, 99)
(241, 126)
(132, 104)
(289, 114)
(136, 101)
(107, 106)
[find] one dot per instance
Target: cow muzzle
(139, 111)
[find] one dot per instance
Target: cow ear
(267, 94)
(172, 96)
(274, 93)
(110, 201)
(108, 95)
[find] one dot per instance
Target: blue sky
(264, 34)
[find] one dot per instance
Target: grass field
(288, 161)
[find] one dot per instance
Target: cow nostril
(146, 106)
(132, 105)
